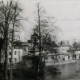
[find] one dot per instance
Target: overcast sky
(66, 12)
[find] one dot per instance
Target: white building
(77, 54)
(18, 52)
(52, 59)
(16, 56)
(62, 49)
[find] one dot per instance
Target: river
(68, 71)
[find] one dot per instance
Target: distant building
(62, 55)
(63, 47)
(52, 59)
(77, 54)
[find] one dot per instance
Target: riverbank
(51, 63)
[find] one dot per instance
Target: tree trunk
(40, 59)
(1, 46)
(6, 60)
(6, 50)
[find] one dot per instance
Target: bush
(24, 74)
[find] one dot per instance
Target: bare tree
(9, 15)
(44, 29)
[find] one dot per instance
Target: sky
(65, 12)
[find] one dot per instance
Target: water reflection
(67, 71)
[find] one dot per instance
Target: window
(79, 56)
(68, 57)
(9, 53)
(9, 60)
(15, 52)
(15, 60)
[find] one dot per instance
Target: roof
(20, 43)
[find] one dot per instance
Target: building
(62, 55)
(20, 49)
(17, 55)
(63, 48)
(53, 59)
(77, 54)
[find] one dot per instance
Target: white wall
(77, 54)
(62, 49)
(17, 55)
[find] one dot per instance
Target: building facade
(19, 50)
